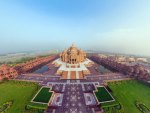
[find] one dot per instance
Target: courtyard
(73, 101)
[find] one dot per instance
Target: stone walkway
(74, 101)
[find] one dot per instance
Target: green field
(43, 96)
(127, 92)
(20, 92)
(103, 95)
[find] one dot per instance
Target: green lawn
(103, 95)
(20, 92)
(43, 96)
(127, 92)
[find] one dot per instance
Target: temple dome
(73, 55)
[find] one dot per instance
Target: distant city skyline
(118, 26)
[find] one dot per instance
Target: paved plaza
(73, 71)
(73, 100)
(71, 96)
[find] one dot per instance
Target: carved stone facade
(32, 65)
(133, 70)
(7, 72)
(73, 55)
(11, 72)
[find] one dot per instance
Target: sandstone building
(7, 72)
(11, 72)
(72, 55)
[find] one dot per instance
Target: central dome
(73, 49)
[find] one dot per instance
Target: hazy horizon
(119, 26)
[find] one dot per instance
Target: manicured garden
(103, 95)
(43, 95)
(112, 107)
(128, 92)
(20, 93)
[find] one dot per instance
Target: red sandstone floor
(73, 75)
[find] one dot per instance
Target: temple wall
(136, 71)
(11, 72)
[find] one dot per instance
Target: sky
(117, 26)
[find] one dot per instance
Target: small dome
(1, 72)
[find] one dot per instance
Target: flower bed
(142, 107)
(5, 106)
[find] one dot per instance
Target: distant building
(141, 60)
(131, 59)
(103, 56)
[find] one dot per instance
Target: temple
(73, 63)
(72, 55)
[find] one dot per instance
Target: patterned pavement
(73, 100)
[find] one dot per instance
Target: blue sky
(107, 25)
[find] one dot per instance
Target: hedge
(36, 106)
(5, 106)
(142, 107)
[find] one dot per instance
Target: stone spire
(73, 45)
